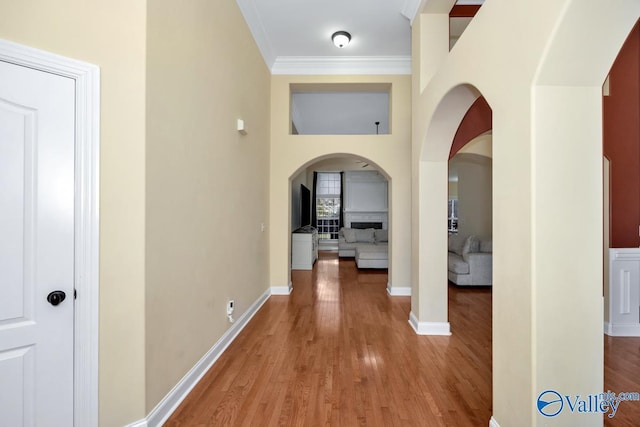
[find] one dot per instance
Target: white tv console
(304, 248)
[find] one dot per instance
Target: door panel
(17, 368)
(16, 134)
(37, 129)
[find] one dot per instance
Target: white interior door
(36, 247)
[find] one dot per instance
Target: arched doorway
(547, 143)
(429, 305)
(395, 217)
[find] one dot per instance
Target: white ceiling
(294, 37)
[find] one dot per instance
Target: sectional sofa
(470, 260)
(369, 247)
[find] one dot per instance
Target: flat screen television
(305, 206)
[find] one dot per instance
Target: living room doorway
(324, 196)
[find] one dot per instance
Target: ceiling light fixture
(341, 38)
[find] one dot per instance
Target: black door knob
(56, 297)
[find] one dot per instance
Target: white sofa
(470, 261)
(369, 247)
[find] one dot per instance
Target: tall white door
(36, 247)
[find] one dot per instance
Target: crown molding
(252, 18)
(410, 9)
(341, 65)
(324, 65)
(469, 2)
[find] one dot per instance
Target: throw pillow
(456, 242)
(365, 236)
(471, 245)
(381, 235)
(486, 246)
(349, 235)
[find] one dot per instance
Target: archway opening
(470, 237)
(339, 192)
(621, 175)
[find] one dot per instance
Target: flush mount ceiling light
(341, 38)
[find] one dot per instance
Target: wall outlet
(230, 307)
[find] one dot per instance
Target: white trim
(252, 18)
(429, 328)
(295, 115)
(341, 65)
(621, 329)
(622, 297)
(282, 290)
(410, 9)
(87, 151)
(172, 400)
(398, 291)
(493, 422)
(625, 254)
(470, 2)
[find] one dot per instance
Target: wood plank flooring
(339, 351)
(622, 374)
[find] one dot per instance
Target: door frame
(86, 225)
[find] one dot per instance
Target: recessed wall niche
(340, 109)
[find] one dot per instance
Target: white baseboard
(170, 402)
(429, 328)
(622, 330)
(282, 290)
(398, 291)
(493, 422)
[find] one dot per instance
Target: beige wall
(111, 35)
(390, 153)
(204, 179)
(480, 145)
(453, 189)
(543, 83)
(474, 194)
(207, 185)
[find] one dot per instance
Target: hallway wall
(207, 185)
